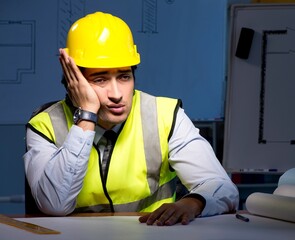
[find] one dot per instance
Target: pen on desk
(258, 170)
(241, 217)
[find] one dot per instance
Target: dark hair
(64, 81)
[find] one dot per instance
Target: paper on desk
(271, 205)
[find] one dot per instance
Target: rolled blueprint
(272, 206)
(285, 190)
(288, 178)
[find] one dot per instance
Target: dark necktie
(110, 137)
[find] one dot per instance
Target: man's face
(114, 88)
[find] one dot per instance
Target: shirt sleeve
(197, 167)
(55, 175)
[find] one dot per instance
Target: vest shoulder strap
(42, 108)
(149, 118)
(59, 122)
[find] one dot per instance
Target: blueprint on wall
(182, 54)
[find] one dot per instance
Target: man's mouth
(116, 108)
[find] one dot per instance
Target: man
(154, 141)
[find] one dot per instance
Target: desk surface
(127, 227)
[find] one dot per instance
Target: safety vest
(139, 177)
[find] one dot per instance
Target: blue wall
(12, 145)
(183, 55)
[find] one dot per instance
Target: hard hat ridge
(101, 40)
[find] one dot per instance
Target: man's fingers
(76, 73)
(144, 218)
(185, 219)
(170, 214)
(67, 66)
(162, 216)
(168, 217)
(72, 70)
(176, 217)
(65, 70)
(151, 218)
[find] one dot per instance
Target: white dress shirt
(56, 174)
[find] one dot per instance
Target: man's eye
(125, 77)
(98, 80)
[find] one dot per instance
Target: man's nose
(114, 92)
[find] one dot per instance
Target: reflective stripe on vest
(149, 118)
(60, 127)
(163, 192)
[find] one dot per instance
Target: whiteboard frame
(242, 149)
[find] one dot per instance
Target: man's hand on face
(79, 90)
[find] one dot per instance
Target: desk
(127, 227)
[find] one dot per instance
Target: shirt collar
(99, 131)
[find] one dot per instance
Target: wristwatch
(84, 115)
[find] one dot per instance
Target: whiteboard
(260, 111)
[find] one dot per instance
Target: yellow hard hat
(101, 40)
